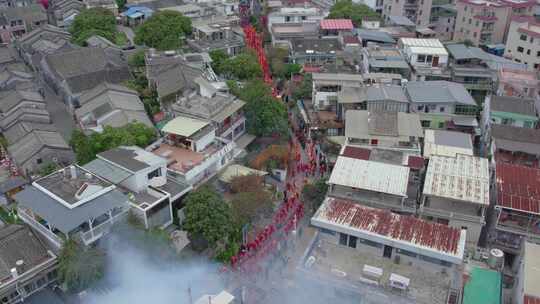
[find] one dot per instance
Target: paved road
(60, 116)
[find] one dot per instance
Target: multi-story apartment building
(443, 21)
(485, 21)
(456, 193)
(418, 11)
(523, 43)
(519, 83)
(517, 207)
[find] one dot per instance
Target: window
(477, 23)
(304, 17)
(327, 231)
(343, 239)
(441, 125)
(425, 123)
(447, 30)
(523, 37)
(287, 18)
(536, 66)
(421, 58)
(470, 20)
(441, 109)
(420, 108)
(528, 51)
(465, 9)
(474, 34)
(39, 161)
(370, 243)
(407, 253)
(463, 20)
(374, 142)
(429, 58)
(520, 49)
(531, 40)
(537, 53)
(517, 60)
(155, 173)
(352, 241)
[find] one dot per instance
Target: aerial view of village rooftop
(270, 151)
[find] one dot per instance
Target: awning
(136, 15)
(63, 218)
(465, 121)
(184, 126)
(238, 170)
(516, 146)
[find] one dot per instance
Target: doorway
(387, 253)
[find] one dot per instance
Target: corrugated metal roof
(518, 187)
(416, 42)
(336, 24)
(464, 178)
(428, 50)
(421, 234)
(447, 143)
(439, 91)
(369, 175)
(184, 126)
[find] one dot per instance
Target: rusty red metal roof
(530, 300)
(386, 223)
(356, 152)
(336, 24)
(415, 162)
(518, 187)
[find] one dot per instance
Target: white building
(295, 15)
(193, 151)
(385, 130)
(142, 176)
(456, 193)
(522, 44)
(388, 234)
(71, 203)
(527, 289)
(428, 57)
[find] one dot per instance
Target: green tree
(218, 58)
(247, 205)
(121, 4)
(208, 216)
(87, 146)
(304, 89)
(265, 115)
(241, 67)
(163, 30)
(78, 267)
(354, 11)
(315, 193)
(137, 60)
(47, 169)
(93, 21)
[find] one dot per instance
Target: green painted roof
(483, 287)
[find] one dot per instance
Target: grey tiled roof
(18, 242)
(85, 68)
(386, 92)
(25, 114)
(523, 106)
(461, 51)
(33, 142)
(16, 97)
(18, 130)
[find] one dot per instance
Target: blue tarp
(138, 11)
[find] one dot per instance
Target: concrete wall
(47, 155)
(531, 45)
(204, 141)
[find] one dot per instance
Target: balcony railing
(528, 227)
(88, 237)
(452, 215)
(55, 239)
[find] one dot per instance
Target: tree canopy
(243, 66)
(207, 216)
(79, 267)
(266, 115)
(93, 21)
(163, 30)
(218, 58)
(303, 90)
(315, 193)
(354, 11)
(87, 146)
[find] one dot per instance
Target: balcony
(96, 232)
(231, 125)
(527, 225)
(51, 236)
(452, 215)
